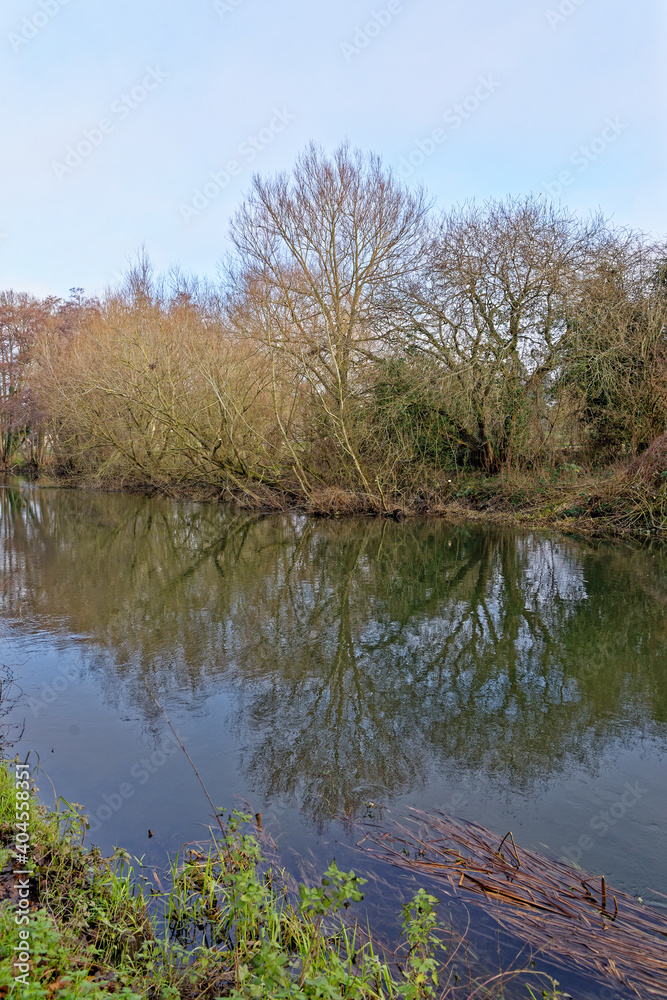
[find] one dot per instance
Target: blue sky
(115, 115)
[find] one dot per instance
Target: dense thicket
(359, 344)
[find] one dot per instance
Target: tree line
(359, 343)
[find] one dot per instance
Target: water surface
(313, 667)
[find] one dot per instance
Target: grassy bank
(229, 927)
(230, 924)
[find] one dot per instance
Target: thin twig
(192, 765)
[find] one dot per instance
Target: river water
(313, 667)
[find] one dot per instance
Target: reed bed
(555, 908)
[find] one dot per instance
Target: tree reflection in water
(363, 654)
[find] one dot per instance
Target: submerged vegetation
(557, 909)
(363, 355)
(231, 923)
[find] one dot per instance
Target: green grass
(230, 924)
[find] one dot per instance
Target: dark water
(518, 680)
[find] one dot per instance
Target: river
(318, 669)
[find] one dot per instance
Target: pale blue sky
(521, 91)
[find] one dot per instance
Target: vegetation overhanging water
(364, 353)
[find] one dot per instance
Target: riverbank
(80, 925)
(627, 500)
(74, 924)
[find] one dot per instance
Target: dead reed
(555, 908)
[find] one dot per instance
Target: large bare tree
(492, 312)
(319, 254)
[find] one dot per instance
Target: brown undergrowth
(628, 500)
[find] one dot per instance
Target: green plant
(419, 926)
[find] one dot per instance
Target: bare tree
(492, 312)
(318, 255)
(22, 320)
